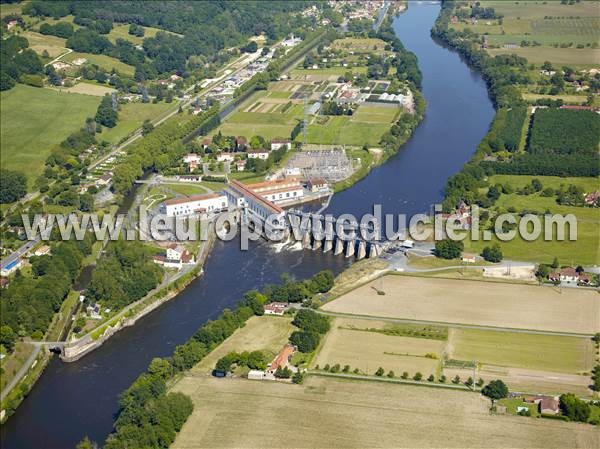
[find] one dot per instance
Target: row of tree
(142, 420)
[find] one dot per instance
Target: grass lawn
(511, 405)
(584, 250)
(122, 32)
(352, 414)
(187, 189)
(106, 62)
(343, 130)
(540, 352)
(265, 333)
(34, 121)
(131, 117)
(54, 45)
(555, 182)
(374, 114)
(252, 129)
(10, 8)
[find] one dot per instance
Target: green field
(536, 352)
(131, 117)
(336, 70)
(122, 32)
(106, 62)
(34, 121)
(555, 182)
(344, 130)
(55, 46)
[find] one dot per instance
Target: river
(71, 400)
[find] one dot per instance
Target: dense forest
(203, 28)
(18, 63)
(125, 274)
(151, 417)
(29, 302)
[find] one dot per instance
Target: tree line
(29, 302)
(123, 275)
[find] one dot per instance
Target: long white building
(195, 204)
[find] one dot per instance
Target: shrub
(380, 371)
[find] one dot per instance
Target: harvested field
(366, 350)
(475, 302)
(266, 333)
(352, 414)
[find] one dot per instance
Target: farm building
(282, 359)
(275, 308)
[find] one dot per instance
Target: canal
(71, 400)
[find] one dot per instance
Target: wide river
(71, 400)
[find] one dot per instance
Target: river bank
(79, 398)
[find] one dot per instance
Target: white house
(225, 157)
(181, 207)
(191, 158)
(240, 165)
(275, 308)
(276, 144)
(258, 154)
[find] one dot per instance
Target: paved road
(22, 371)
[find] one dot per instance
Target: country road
(22, 371)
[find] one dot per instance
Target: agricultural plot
(528, 351)
(131, 117)
(550, 24)
(474, 302)
(346, 130)
(380, 414)
(359, 44)
(362, 344)
(34, 120)
(122, 32)
(266, 333)
(55, 46)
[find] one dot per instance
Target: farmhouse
(104, 179)
(278, 191)
(181, 207)
(282, 359)
(241, 143)
(546, 404)
(275, 308)
(175, 257)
